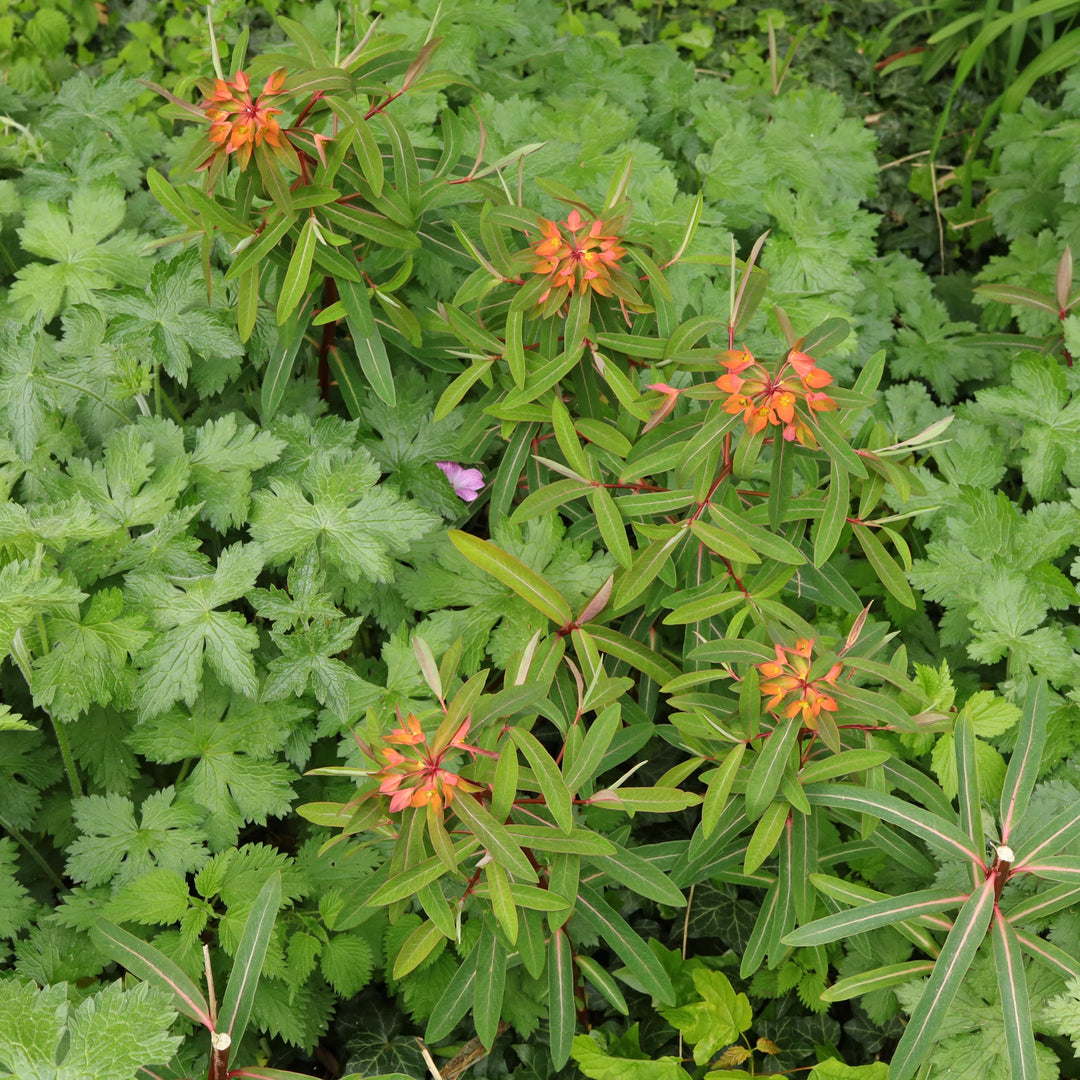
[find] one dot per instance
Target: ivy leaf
(85, 254)
(112, 846)
(189, 630)
(720, 1018)
(170, 318)
(222, 461)
(88, 660)
(234, 743)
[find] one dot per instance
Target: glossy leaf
(562, 1015)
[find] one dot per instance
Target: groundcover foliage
(511, 562)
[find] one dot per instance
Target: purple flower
(467, 483)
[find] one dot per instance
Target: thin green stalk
(33, 852)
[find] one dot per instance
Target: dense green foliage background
(220, 544)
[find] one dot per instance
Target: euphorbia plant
(985, 913)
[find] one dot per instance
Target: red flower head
(764, 398)
(791, 692)
(576, 255)
(239, 122)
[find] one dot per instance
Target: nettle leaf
(109, 1035)
(170, 319)
(85, 254)
(28, 766)
(190, 631)
(355, 525)
(114, 847)
(223, 458)
(89, 654)
(234, 741)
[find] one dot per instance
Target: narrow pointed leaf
(603, 982)
(938, 833)
(295, 283)
(455, 1002)
(490, 984)
(1026, 758)
(528, 584)
(235, 1008)
(152, 966)
(950, 970)
(1043, 904)
(641, 876)
(877, 913)
(562, 1015)
(493, 836)
(1015, 1002)
(416, 948)
(967, 773)
(626, 944)
(1054, 836)
(719, 789)
(1049, 955)
(881, 978)
(769, 765)
(552, 786)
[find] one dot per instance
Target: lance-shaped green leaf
(758, 943)
(878, 913)
(1026, 758)
(239, 996)
(493, 836)
(885, 566)
(649, 562)
(866, 982)
(641, 876)
(152, 966)
(938, 833)
(633, 652)
(603, 982)
(501, 893)
(842, 764)
(528, 584)
(716, 794)
(650, 800)
(552, 786)
(562, 1015)
(1060, 831)
(950, 970)
(417, 948)
(766, 833)
(967, 775)
(1057, 869)
(769, 765)
(1015, 1001)
(490, 984)
(582, 767)
(455, 1002)
(407, 882)
(295, 282)
(542, 838)
(1044, 904)
(1049, 955)
(626, 944)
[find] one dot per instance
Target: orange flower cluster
(788, 683)
(576, 256)
(239, 122)
(418, 774)
(764, 398)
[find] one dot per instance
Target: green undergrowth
(714, 726)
